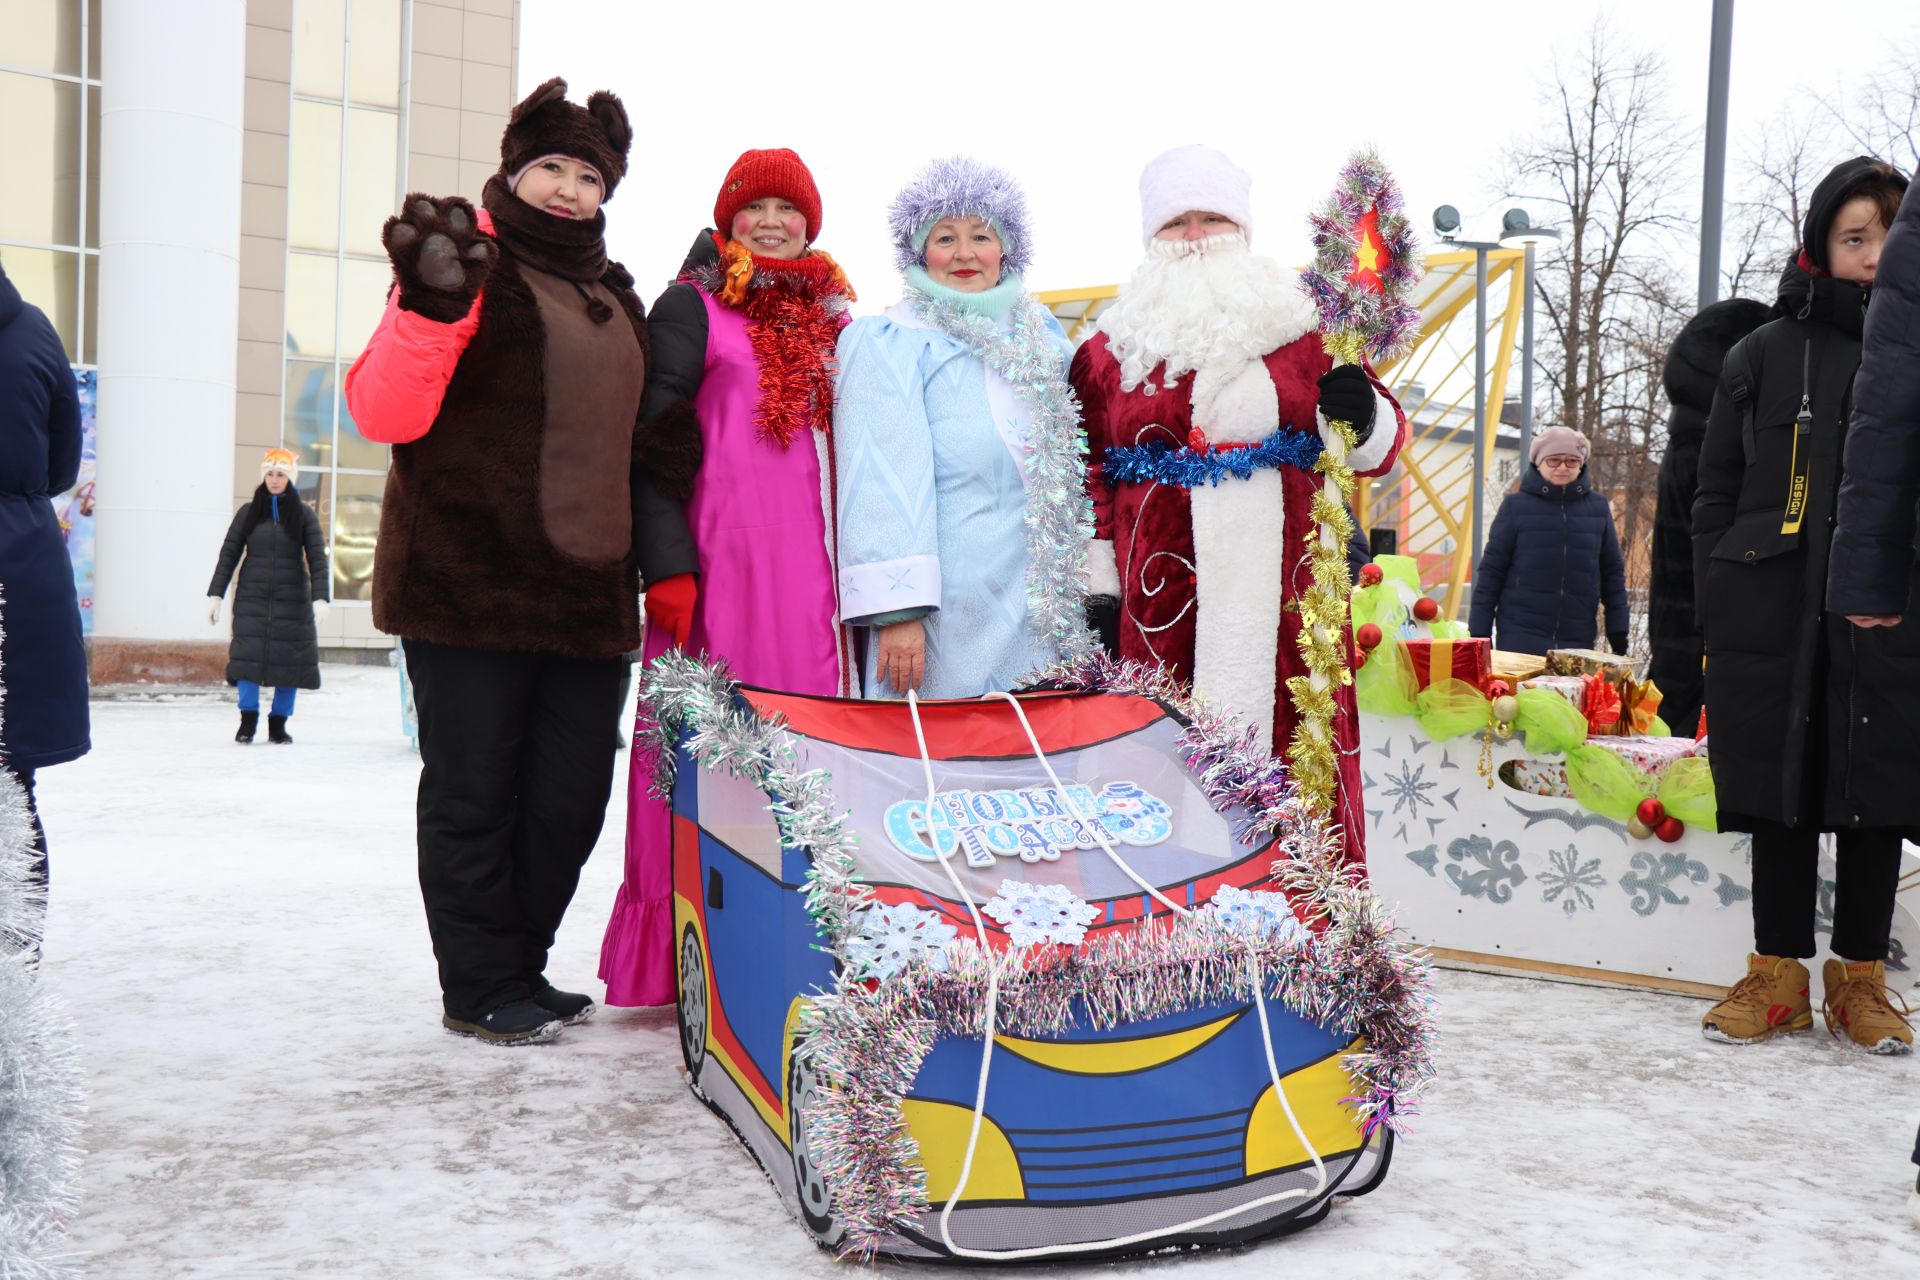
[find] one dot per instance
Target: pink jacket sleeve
(394, 389)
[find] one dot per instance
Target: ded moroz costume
(1203, 397)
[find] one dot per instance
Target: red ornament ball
(1670, 829)
(1426, 608)
(1359, 659)
(1651, 812)
(1368, 636)
(1498, 688)
(1370, 575)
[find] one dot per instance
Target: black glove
(439, 255)
(1103, 615)
(1617, 641)
(1346, 395)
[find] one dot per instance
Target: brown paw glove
(440, 256)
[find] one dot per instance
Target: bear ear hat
(606, 108)
(554, 90)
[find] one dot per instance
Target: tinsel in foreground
(1364, 267)
(868, 1039)
(41, 1099)
(1059, 512)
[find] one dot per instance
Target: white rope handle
(1092, 823)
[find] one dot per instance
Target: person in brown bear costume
(526, 502)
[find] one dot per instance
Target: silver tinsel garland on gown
(41, 1100)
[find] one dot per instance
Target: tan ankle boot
(1859, 1004)
(1771, 1000)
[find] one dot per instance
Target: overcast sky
(1075, 97)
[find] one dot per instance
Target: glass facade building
(343, 180)
(338, 107)
(50, 202)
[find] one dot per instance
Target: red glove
(669, 604)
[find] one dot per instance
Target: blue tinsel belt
(1190, 468)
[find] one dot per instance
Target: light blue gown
(932, 499)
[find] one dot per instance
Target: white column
(172, 88)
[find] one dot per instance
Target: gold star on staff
(1367, 256)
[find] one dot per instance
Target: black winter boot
(520, 1022)
(249, 721)
(570, 1007)
(277, 730)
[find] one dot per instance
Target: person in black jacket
(1692, 372)
(1551, 558)
(281, 599)
(1811, 719)
(43, 664)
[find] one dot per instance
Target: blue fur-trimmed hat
(956, 186)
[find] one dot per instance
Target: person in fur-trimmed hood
(1209, 351)
(743, 355)
(526, 489)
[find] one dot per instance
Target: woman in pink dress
(743, 344)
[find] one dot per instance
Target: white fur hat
(1193, 177)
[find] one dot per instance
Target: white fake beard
(1198, 304)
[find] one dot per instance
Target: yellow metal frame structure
(1428, 496)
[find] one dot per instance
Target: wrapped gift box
(1651, 756)
(1516, 667)
(1572, 688)
(1538, 777)
(1548, 777)
(1469, 659)
(1589, 662)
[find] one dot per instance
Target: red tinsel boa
(796, 308)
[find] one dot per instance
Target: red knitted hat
(757, 175)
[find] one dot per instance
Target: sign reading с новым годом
(1034, 823)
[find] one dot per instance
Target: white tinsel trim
(41, 1099)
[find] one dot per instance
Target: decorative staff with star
(1364, 267)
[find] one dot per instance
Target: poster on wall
(75, 506)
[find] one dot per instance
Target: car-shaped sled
(1116, 1133)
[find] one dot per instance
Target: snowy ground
(239, 938)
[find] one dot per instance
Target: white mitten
(319, 613)
(213, 611)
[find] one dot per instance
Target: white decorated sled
(1495, 875)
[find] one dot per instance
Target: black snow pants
(517, 753)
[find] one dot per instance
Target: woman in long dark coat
(281, 598)
(1811, 719)
(43, 665)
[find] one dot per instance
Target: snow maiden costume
(1201, 397)
(507, 373)
(743, 356)
(958, 454)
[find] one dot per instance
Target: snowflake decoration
(1038, 913)
(1409, 790)
(893, 936)
(1255, 912)
(1567, 880)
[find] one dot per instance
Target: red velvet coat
(1236, 574)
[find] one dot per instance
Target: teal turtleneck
(992, 303)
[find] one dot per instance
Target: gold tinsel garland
(1323, 609)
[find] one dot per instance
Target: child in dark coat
(1811, 716)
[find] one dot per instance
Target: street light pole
(1526, 358)
(1713, 188)
(1480, 450)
